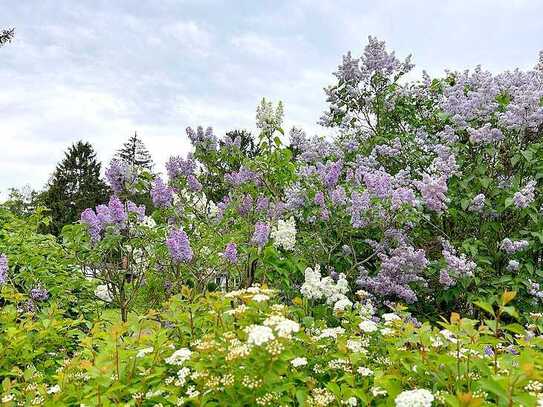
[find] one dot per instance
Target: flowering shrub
(276, 265)
(245, 348)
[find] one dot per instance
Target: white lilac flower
(179, 357)
(297, 362)
(259, 335)
(142, 352)
(342, 304)
(414, 398)
(368, 326)
(284, 235)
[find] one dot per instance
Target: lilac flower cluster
(120, 176)
(399, 269)
(180, 167)
(457, 266)
(39, 294)
(512, 246)
(161, 194)
(179, 246)
(485, 135)
(241, 177)
(231, 253)
(477, 203)
(525, 196)
(3, 269)
(261, 234)
(114, 214)
(434, 192)
(205, 140)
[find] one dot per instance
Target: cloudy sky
(98, 70)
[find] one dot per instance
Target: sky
(99, 70)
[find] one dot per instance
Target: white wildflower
(179, 357)
(259, 335)
(53, 389)
(368, 326)
(297, 362)
(142, 352)
(414, 398)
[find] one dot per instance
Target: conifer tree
(6, 36)
(134, 152)
(75, 185)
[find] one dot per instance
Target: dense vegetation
(396, 263)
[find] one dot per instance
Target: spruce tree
(75, 185)
(134, 152)
(6, 36)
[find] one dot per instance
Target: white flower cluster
(179, 357)
(283, 326)
(414, 398)
(259, 335)
(317, 288)
(297, 362)
(284, 234)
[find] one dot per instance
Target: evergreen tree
(134, 152)
(75, 185)
(6, 36)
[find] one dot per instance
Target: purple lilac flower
(457, 266)
(338, 196)
(179, 246)
(202, 139)
(330, 173)
(231, 253)
(161, 194)
(241, 177)
(319, 199)
(510, 246)
(138, 210)
(193, 184)
(262, 204)
(488, 351)
(117, 211)
(434, 192)
(403, 196)
(93, 223)
(399, 269)
(485, 135)
(246, 205)
(116, 175)
(513, 265)
(378, 183)
(39, 294)
(477, 203)
(360, 204)
(525, 196)
(178, 166)
(261, 234)
(3, 269)
(104, 215)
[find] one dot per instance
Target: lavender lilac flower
(261, 234)
(179, 246)
(231, 253)
(3, 269)
(161, 194)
